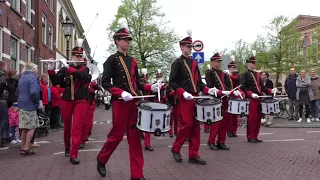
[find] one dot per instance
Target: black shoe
(101, 168)
(229, 134)
(138, 179)
(252, 141)
(148, 148)
(142, 137)
(212, 146)
(67, 152)
(207, 131)
(176, 156)
(197, 160)
(187, 139)
(319, 151)
(74, 161)
(171, 136)
(222, 147)
(87, 139)
(234, 135)
(290, 119)
(258, 140)
(81, 146)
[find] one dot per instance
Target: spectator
(12, 84)
(304, 94)
(266, 119)
(315, 86)
(14, 123)
(45, 92)
(4, 123)
(28, 103)
(55, 107)
(291, 90)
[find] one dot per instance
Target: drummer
(220, 81)
(235, 81)
(253, 87)
(186, 82)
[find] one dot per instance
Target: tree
(313, 54)
(241, 53)
(153, 42)
(280, 48)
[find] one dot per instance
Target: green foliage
(241, 52)
(153, 43)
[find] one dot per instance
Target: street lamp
(68, 32)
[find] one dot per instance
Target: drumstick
(202, 97)
(231, 91)
(158, 91)
(137, 97)
(264, 96)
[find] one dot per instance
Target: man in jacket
(315, 86)
(291, 89)
(4, 123)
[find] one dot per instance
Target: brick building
(17, 29)
(45, 39)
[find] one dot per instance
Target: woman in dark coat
(12, 84)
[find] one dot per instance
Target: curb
(295, 126)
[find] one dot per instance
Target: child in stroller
(44, 121)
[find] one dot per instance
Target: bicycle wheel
(285, 107)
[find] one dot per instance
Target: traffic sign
(197, 45)
(198, 56)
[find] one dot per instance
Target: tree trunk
(143, 61)
(277, 79)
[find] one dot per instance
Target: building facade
(17, 32)
(65, 9)
(45, 39)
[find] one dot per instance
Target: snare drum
(154, 117)
(209, 110)
(270, 106)
(238, 106)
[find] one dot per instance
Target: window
(28, 10)
(13, 52)
(44, 29)
(16, 5)
(50, 36)
(51, 5)
(28, 53)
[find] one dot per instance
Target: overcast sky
(217, 23)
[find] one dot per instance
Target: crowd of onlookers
(22, 98)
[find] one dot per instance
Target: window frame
(50, 36)
(16, 5)
(17, 53)
(28, 10)
(44, 29)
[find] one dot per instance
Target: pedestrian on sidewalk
(4, 124)
(291, 90)
(266, 118)
(315, 86)
(14, 123)
(304, 94)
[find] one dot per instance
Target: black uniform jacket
(218, 79)
(75, 80)
(172, 98)
(123, 70)
(251, 83)
(183, 70)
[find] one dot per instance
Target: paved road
(289, 154)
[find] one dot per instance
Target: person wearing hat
(123, 70)
(235, 81)
(74, 105)
(252, 86)
(218, 80)
(185, 80)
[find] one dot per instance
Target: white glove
(64, 62)
(213, 91)
(236, 93)
(156, 86)
(227, 93)
(254, 96)
(187, 96)
(126, 96)
(51, 65)
(274, 91)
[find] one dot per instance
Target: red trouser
(233, 123)
(207, 127)
(124, 120)
(220, 128)
(175, 119)
(190, 127)
(147, 139)
(254, 119)
(89, 120)
(72, 113)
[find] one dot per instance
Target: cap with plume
(189, 32)
(144, 71)
(232, 58)
(187, 40)
(254, 52)
(123, 23)
(79, 42)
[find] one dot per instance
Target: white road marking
(279, 140)
(259, 134)
(313, 131)
(101, 122)
(108, 122)
(85, 150)
(43, 142)
(94, 122)
(91, 139)
(165, 138)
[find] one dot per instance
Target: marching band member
(253, 87)
(74, 99)
(206, 126)
(123, 70)
(90, 113)
(218, 80)
(235, 81)
(186, 82)
(173, 100)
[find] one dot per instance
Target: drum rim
(199, 102)
(238, 99)
(151, 109)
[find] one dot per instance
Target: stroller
(44, 121)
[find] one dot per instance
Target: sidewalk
(285, 123)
